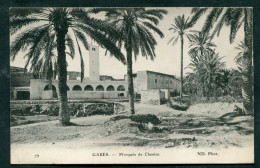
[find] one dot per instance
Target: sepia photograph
(131, 85)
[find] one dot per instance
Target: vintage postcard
(157, 85)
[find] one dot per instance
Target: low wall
(95, 94)
(47, 94)
(37, 89)
(152, 96)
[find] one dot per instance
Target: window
(47, 87)
(99, 88)
(120, 88)
(76, 88)
(93, 49)
(110, 88)
(88, 88)
(155, 80)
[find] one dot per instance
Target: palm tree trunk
(130, 80)
(181, 65)
(247, 65)
(64, 115)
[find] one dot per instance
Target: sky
(167, 56)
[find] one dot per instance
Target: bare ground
(199, 126)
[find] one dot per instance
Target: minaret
(93, 62)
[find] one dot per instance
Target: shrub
(140, 118)
(174, 93)
(195, 99)
(145, 118)
(179, 103)
(35, 109)
(180, 107)
(74, 109)
(99, 109)
(119, 117)
(184, 100)
(50, 109)
(22, 110)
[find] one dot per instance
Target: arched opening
(88, 88)
(120, 88)
(53, 88)
(47, 87)
(99, 88)
(67, 88)
(110, 88)
(77, 88)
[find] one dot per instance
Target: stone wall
(47, 94)
(38, 93)
(154, 96)
(95, 94)
(147, 80)
(162, 81)
(20, 79)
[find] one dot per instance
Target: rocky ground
(200, 126)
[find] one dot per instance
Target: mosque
(25, 86)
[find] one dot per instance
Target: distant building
(149, 80)
(96, 86)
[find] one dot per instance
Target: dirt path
(197, 127)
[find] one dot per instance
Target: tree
(200, 44)
(206, 70)
(234, 18)
(241, 47)
(32, 26)
(229, 82)
(45, 63)
(180, 28)
(134, 25)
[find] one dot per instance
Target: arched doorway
(53, 88)
(120, 88)
(110, 88)
(88, 88)
(99, 88)
(77, 88)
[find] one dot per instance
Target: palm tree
(200, 44)
(229, 82)
(180, 29)
(206, 69)
(234, 18)
(134, 25)
(32, 26)
(45, 64)
(241, 47)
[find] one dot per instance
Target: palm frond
(235, 23)
(31, 36)
(81, 61)
(197, 13)
(70, 44)
(82, 38)
(152, 27)
(159, 13)
(211, 19)
(16, 24)
(103, 41)
(23, 12)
